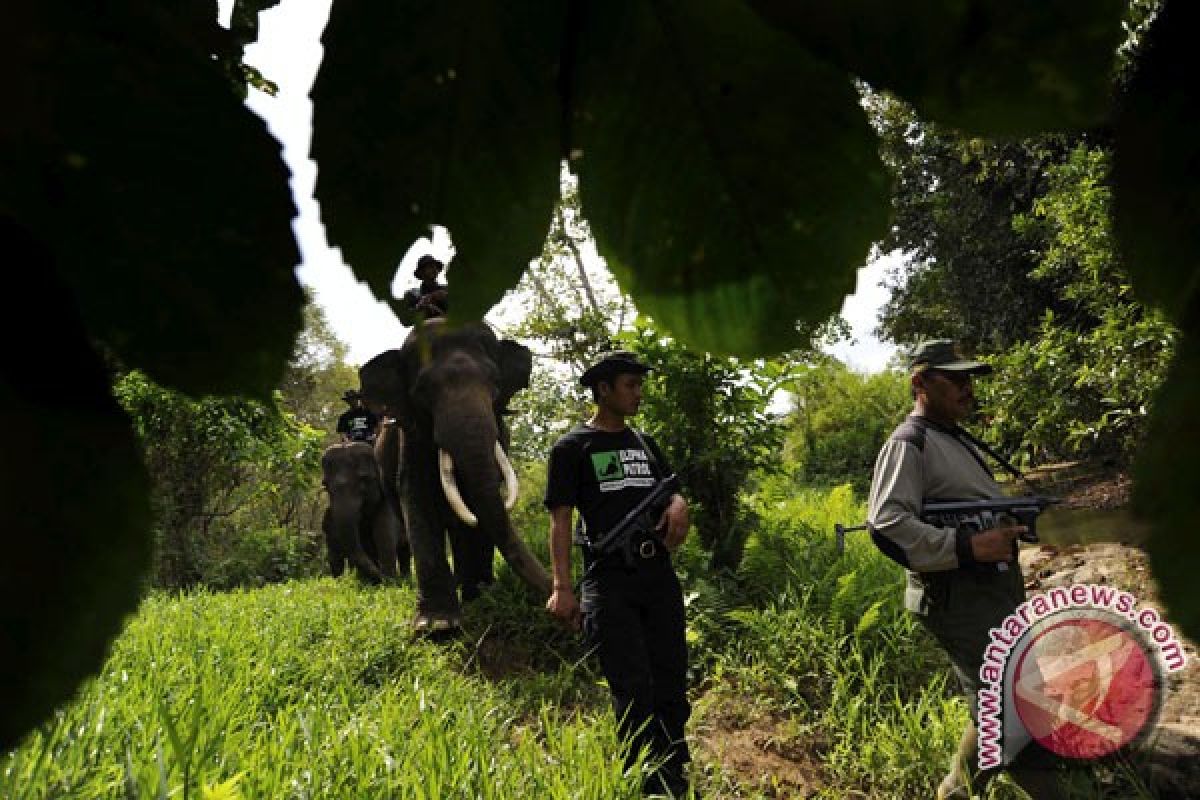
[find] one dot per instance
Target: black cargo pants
(634, 618)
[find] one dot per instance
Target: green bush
(840, 420)
(222, 467)
(259, 556)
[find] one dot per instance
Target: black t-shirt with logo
(358, 424)
(603, 474)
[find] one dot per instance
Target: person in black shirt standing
(358, 423)
(632, 615)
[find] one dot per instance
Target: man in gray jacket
(959, 583)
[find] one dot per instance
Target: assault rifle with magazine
(638, 526)
(974, 515)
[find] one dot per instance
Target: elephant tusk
(450, 488)
(511, 488)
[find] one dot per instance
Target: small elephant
(448, 388)
(360, 525)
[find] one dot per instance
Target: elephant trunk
(475, 477)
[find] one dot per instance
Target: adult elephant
(448, 387)
(360, 525)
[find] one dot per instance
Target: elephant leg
(388, 455)
(436, 595)
(383, 540)
(473, 557)
(360, 556)
(404, 554)
(365, 567)
(337, 562)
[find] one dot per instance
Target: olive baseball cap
(611, 364)
(942, 354)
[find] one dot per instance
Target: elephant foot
(437, 625)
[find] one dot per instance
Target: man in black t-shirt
(358, 424)
(632, 615)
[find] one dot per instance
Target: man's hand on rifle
(995, 544)
(563, 605)
(673, 524)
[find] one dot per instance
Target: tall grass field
(318, 689)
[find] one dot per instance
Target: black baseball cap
(427, 261)
(942, 354)
(611, 364)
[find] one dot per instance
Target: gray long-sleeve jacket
(923, 461)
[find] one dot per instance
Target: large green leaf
(73, 497)
(1157, 205)
(1157, 163)
(987, 66)
(730, 178)
(430, 112)
(1165, 481)
(125, 149)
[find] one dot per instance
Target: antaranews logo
(1078, 670)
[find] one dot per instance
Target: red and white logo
(1078, 669)
(1086, 686)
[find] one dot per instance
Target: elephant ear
(383, 381)
(516, 367)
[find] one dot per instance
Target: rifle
(640, 519)
(975, 515)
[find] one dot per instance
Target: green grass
(313, 689)
(317, 689)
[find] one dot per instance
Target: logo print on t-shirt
(622, 469)
(607, 466)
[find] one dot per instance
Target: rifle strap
(1001, 460)
(646, 449)
(966, 439)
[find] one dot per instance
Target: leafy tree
(572, 311)
(1012, 253)
(840, 420)
(222, 468)
(966, 273)
(711, 415)
(317, 375)
(1083, 383)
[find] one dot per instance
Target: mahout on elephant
(362, 525)
(449, 387)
